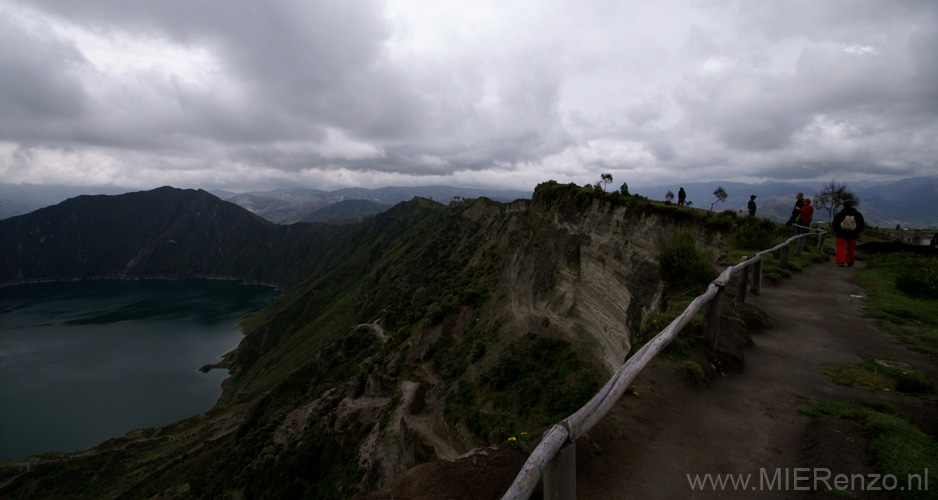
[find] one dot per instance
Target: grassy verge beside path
(903, 298)
(900, 451)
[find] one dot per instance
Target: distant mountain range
(283, 206)
(909, 203)
(346, 212)
(286, 206)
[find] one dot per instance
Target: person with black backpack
(848, 223)
(796, 212)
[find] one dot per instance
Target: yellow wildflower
(512, 438)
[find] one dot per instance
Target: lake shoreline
(114, 357)
(137, 278)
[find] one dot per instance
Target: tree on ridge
(720, 194)
(833, 196)
(606, 178)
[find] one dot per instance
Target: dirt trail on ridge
(744, 423)
(747, 423)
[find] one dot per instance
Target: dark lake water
(85, 361)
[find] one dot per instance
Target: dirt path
(745, 423)
(748, 422)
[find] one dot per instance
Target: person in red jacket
(807, 215)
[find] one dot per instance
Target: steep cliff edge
(428, 332)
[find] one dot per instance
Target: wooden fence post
(712, 318)
(757, 277)
(820, 240)
(560, 474)
(783, 259)
(743, 282)
(800, 246)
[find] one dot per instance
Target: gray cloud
(246, 95)
(38, 85)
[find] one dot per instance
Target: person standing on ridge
(807, 215)
(752, 205)
(681, 196)
(797, 210)
(848, 223)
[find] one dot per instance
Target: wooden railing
(555, 457)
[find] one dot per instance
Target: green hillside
(422, 332)
(165, 232)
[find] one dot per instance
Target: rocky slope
(423, 333)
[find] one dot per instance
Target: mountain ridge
(151, 233)
(300, 204)
(912, 202)
(345, 212)
(419, 333)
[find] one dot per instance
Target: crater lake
(85, 361)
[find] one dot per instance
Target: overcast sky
(253, 95)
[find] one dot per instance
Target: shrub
(918, 276)
(755, 234)
(721, 222)
(682, 264)
(536, 381)
(694, 372)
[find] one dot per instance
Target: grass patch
(911, 317)
(898, 448)
(882, 375)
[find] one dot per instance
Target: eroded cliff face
(585, 274)
(445, 329)
(590, 278)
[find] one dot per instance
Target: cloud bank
(246, 95)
